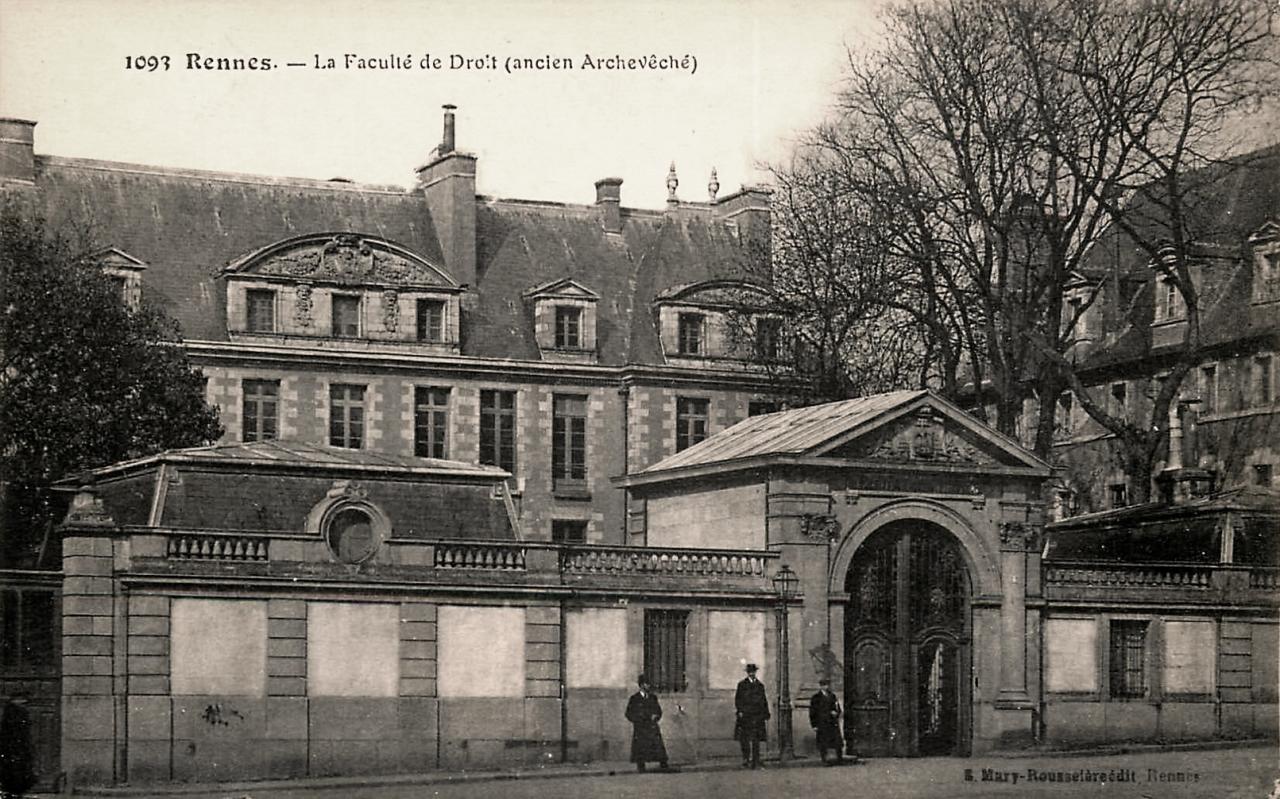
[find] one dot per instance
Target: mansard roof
(1231, 205)
(880, 428)
(189, 225)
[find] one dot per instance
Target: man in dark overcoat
(17, 755)
(824, 717)
(644, 713)
(753, 712)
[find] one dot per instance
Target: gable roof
(817, 431)
(564, 288)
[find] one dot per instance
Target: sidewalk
(259, 788)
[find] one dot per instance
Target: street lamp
(784, 583)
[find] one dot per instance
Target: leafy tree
(85, 380)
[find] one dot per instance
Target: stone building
(564, 343)
(1132, 329)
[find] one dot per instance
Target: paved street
(1223, 774)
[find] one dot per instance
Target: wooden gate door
(906, 644)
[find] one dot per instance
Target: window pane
(431, 422)
(568, 328)
(690, 334)
(691, 421)
(569, 441)
(346, 416)
(260, 409)
(430, 320)
(260, 310)
(497, 429)
(346, 316)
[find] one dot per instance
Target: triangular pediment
(929, 431)
(115, 258)
(346, 258)
(563, 289)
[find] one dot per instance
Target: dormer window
(564, 319)
(431, 320)
(260, 311)
(690, 333)
(768, 336)
(123, 272)
(568, 328)
(343, 286)
(1168, 300)
(346, 316)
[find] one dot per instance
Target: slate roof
(1229, 202)
(290, 454)
(188, 224)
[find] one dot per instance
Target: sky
(766, 70)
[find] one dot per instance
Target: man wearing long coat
(753, 712)
(824, 717)
(644, 713)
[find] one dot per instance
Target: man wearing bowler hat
(753, 712)
(644, 712)
(824, 717)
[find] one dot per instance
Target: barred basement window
(1128, 659)
(498, 429)
(569, 442)
(691, 421)
(664, 649)
(261, 398)
(431, 422)
(346, 416)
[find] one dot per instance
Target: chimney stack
(448, 183)
(17, 151)
(448, 141)
(609, 201)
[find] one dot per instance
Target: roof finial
(672, 183)
(713, 187)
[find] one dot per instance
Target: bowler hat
(751, 667)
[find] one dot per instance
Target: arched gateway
(906, 643)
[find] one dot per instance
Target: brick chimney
(17, 150)
(448, 182)
(609, 201)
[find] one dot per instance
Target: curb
(1133, 749)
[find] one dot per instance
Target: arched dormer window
(345, 287)
(719, 319)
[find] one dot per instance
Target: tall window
(1119, 495)
(430, 422)
(261, 409)
(431, 320)
(1169, 301)
(768, 334)
(498, 429)
(569, 442)
(691, 422)
(689, 333)
(346, 316)
(260, 310)
(1119, 398)
(568, 327)
(1128, 659)
(664, 649)
(346, 416)
(1208, 389)
(1263, 394)
(1062, 420)
(568, 531)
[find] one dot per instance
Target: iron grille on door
(664, 649)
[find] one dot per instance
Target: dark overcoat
(644, 712)
(753, 711)
(824, 717)
(17, 757)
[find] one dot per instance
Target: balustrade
(1136, 576)
(1268, 579)
(206, 546)
(622, 560)
(504, 557)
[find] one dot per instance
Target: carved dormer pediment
(344, 258)
(925, 437)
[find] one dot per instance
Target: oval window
(351, 537)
